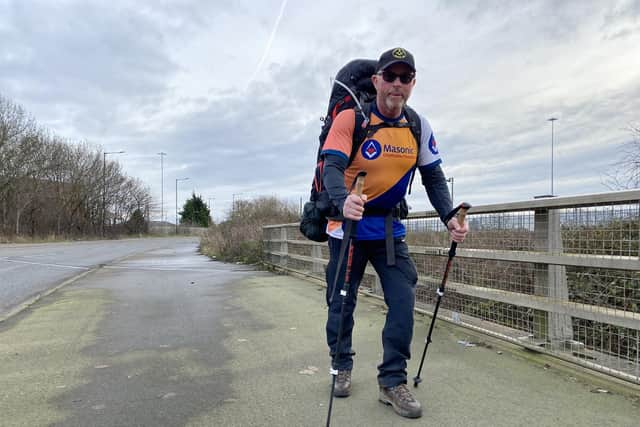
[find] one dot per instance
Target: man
(389, 156)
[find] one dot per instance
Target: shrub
(239, 238)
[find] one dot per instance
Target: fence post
(550, 280)
(284, 247)
(377, 286)
(316, 255)
(541, 271)
(560, 325)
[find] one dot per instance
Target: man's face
(394, 94)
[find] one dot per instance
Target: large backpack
(353, 89)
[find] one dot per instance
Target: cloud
(151, 77)
(272, 36)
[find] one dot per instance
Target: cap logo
(399, 53)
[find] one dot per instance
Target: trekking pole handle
(360, 182)
(462, 213)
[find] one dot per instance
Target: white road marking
(43, 264)
(201, 270)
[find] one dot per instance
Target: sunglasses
(390, 77)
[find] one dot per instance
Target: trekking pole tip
(416, 381)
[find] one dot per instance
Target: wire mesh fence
(559, 275)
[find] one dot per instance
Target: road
(135, 342)
(29, 270)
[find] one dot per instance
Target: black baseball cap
(394, 56)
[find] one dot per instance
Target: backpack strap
(360, 129)
(415, 124)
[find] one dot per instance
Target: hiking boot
(402, 401)
(343, 384)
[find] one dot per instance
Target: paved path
(169, 338)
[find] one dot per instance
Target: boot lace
(403, 393)
(343, 376)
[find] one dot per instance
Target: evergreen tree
(195, 212)
(137, 223)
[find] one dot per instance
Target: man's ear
(375, 81)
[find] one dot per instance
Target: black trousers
(398, 284)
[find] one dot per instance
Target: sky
(233, 92)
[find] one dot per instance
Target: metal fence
(556, 275)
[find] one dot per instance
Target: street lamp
(104, 182)
(178, 179)
(162, 154)
(211, 199)
(451, 181)
(552, 119)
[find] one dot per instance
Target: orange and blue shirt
(389, 157)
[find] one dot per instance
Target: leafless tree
(626, 173)
(52, 186)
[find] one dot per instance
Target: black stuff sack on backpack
(313, 223)
(352, 88)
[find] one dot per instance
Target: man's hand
(457, 232)
(354, 206)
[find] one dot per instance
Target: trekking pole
(461, 211)
(346, 241)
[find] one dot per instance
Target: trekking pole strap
(388, 239)
(460, 211)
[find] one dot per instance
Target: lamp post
(211, 199)
(552, 119)
(178, 179)
(104, 182)
(451, 181)
(162, 154)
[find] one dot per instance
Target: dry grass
(239, 238)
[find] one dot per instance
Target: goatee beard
(393, 106)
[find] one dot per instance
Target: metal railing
(556, 275)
